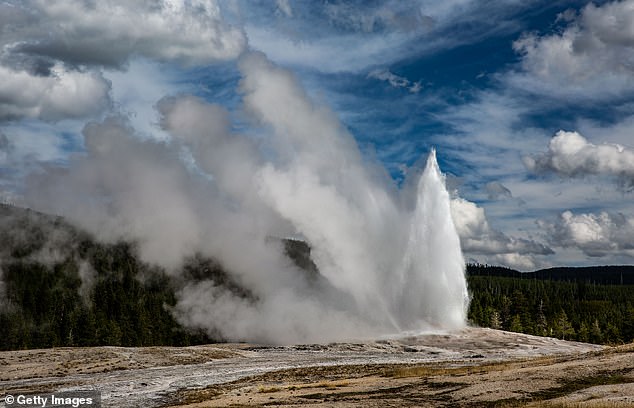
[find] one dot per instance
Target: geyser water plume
(409, 278)
(433, 259)
(386, 264)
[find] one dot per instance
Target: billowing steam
(389, 260)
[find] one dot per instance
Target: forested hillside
(555, 302)
(602, 275)
(59, 287)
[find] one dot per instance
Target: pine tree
(596, 336)
(496, 321)
(563, 327)
(541, 329)
(584, 333)
(516, 324)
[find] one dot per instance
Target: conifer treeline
(559, 305)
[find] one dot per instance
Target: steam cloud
(390, 260)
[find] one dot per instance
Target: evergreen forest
(593, 305)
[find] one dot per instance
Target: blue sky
(530, 104)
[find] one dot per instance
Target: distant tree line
(602, 275)
(592, 306)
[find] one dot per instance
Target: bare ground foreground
(471, 368)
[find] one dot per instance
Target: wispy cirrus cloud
(285, 7)
(352, 36)
(496, 190)
(395, 80)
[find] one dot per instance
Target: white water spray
(433, 261)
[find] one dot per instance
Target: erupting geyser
(389, 260)
(435, 289)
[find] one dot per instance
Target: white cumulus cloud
(480, 240)
(108, 33)
(63, 94)
(53, 51)
(596, 235)
(570, 154)
(593, 57)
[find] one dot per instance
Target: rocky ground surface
(473, 367)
